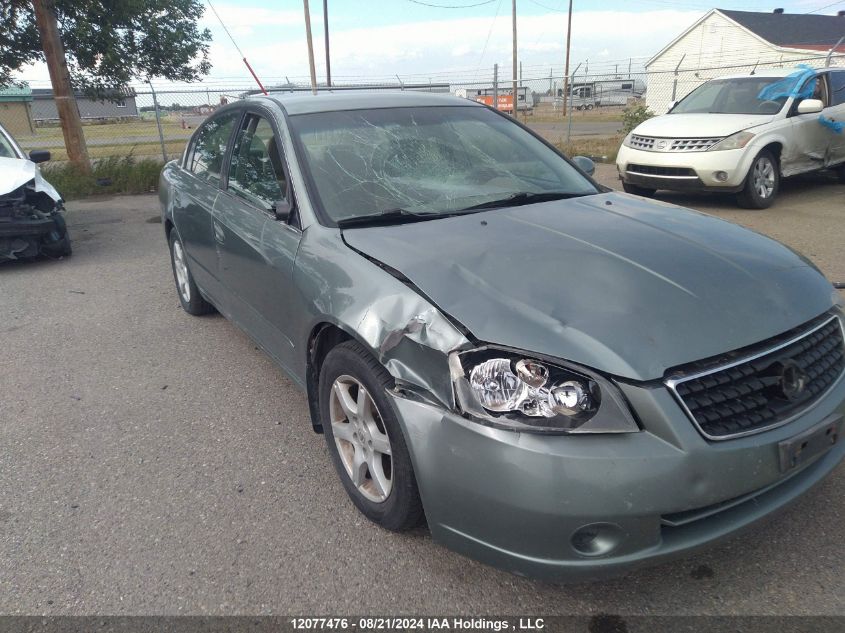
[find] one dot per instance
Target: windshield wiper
(388, 216)
(525, 197)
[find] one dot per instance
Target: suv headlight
(627, 140)
(517, 392)
(734, 141)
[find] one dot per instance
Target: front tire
(762, 183)
(189, 295)
(365, 439)
(636, 190)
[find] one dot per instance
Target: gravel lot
(153, 462)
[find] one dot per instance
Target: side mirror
(672, 104)
(585, 164)
(810, 106)
(39, 155)
(282, 210)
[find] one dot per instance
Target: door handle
(219, 234)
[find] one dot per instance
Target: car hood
(614, 282)
(699, 125)
(16, 172)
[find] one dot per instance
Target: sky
(375, 40)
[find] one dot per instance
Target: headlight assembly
(517, 392)
(734, 141)
(627, 140)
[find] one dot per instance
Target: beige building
(16, 111)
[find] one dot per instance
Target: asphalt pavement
(157, 463)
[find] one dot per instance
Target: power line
(452, 6)
(489, 33)
(827, 6)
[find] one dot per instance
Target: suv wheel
(762, 182)
(365, 439)
(638, 191)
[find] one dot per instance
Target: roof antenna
(754, 70)
(249, 68)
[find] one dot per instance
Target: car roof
(299, 103)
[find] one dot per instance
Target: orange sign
(505, 101)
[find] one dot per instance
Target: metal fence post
(569, 116)
(158, 122)
(675, 81)
(496, 86)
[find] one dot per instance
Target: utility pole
(326, 32)
(310, 48)
(54, 54)
(566, 68)
(513, 73)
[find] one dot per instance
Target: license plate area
(798, 450)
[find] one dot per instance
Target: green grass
(114, 175)
(602, 148)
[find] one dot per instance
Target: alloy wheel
(361, 438)
(181, 268)
(764, 177)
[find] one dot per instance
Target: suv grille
(652, 144)
(765, 389)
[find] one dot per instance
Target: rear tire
(636, 190)
(365, 439)
(189, 295)
(840, 171)
(761, 184)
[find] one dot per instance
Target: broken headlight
(521, 393)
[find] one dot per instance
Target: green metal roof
(15, 93)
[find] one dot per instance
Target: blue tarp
(836, 126)
(791, 86)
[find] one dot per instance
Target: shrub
(109, 176)
(633, 116)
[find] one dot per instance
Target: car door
(837, 113)
(194, 196)
(258, 249)
(811, 142)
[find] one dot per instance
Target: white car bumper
(685, 171)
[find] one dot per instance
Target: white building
(726, 42)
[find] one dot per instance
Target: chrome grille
(641, 142)
(761, 390)
(657, 144)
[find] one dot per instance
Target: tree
(99, 46)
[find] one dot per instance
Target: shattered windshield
(433, 160)
(731, 96)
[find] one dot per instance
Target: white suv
(724, 137)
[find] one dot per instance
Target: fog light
(597, 539)
(721, 176)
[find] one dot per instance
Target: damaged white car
(741, 134)
(31, 210)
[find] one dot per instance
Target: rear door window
(205, 158)
(837, 87)
(255, 169)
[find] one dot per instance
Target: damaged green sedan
(564, 381)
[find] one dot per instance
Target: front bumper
(684, 171)
(517, 501)
(30, 236)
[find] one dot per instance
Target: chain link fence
(586, 109)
